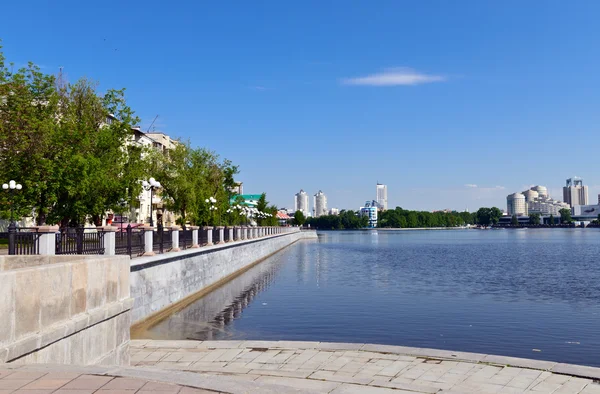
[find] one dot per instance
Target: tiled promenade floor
(358, 368)
(26, 381)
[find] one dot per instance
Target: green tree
(484, 216)
(514, 221)
(495, 215)
(534, 218)
(565, 215)
(299, 218)
(177, 176)
(551, 220)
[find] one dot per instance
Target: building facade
(575, 192)
(516, 205)
(301, 202)
(370, 210)
(382, 199)
(534, 200)
(140, 212)
(334, 211)
(320, 204)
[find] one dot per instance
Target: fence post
(194, 236)
(175, 238)
(110, 242)
(12, 238)
(148, 240)
(47, 240)
(221, 231)
(208, 230)
(129, 234)
(79, 231)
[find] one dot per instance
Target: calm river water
(525, 293)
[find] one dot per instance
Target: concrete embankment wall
(65, 309)
(160, 282)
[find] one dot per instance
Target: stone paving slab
(363, 368)
(68, 379)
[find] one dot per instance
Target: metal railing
(130, 242)
(185, 238)
(78, 241)
(202, 237)
(161, 240)
(22, 240)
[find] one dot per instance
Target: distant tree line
(346, 220)
(402, 218)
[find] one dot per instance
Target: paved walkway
(31, 380)
(358, 368)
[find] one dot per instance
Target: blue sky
(429, 97)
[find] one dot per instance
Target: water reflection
(208, 317)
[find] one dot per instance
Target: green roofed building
(250, 200)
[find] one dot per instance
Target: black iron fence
(78, 241)
(203, 236)
(185, 238)
(161, 240)
(130, 241)
(21, 240)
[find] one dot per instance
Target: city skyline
(443, 112)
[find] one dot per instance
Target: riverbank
(361, 368)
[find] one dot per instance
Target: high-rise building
(515, 204)
(382, 196)
(320, 204)
(301, 202)
(334, 211)
(598, 199)
(575, 193)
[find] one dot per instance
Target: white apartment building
(334, 211)
(320, 204)
(382, 199)
(370, 210)
(141, 213)
(301, 202)
(516, 205)
(575, 192)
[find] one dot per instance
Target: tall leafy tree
(514, 221)
(565, 215)
(299, 218)
(534, 218)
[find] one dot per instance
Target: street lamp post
(151, 185)
(12, 227)
(122, 205)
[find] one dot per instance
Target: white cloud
(394, 77)
(258, 87)
(473, 186)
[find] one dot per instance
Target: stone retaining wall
(159, 282)
(65, 309)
